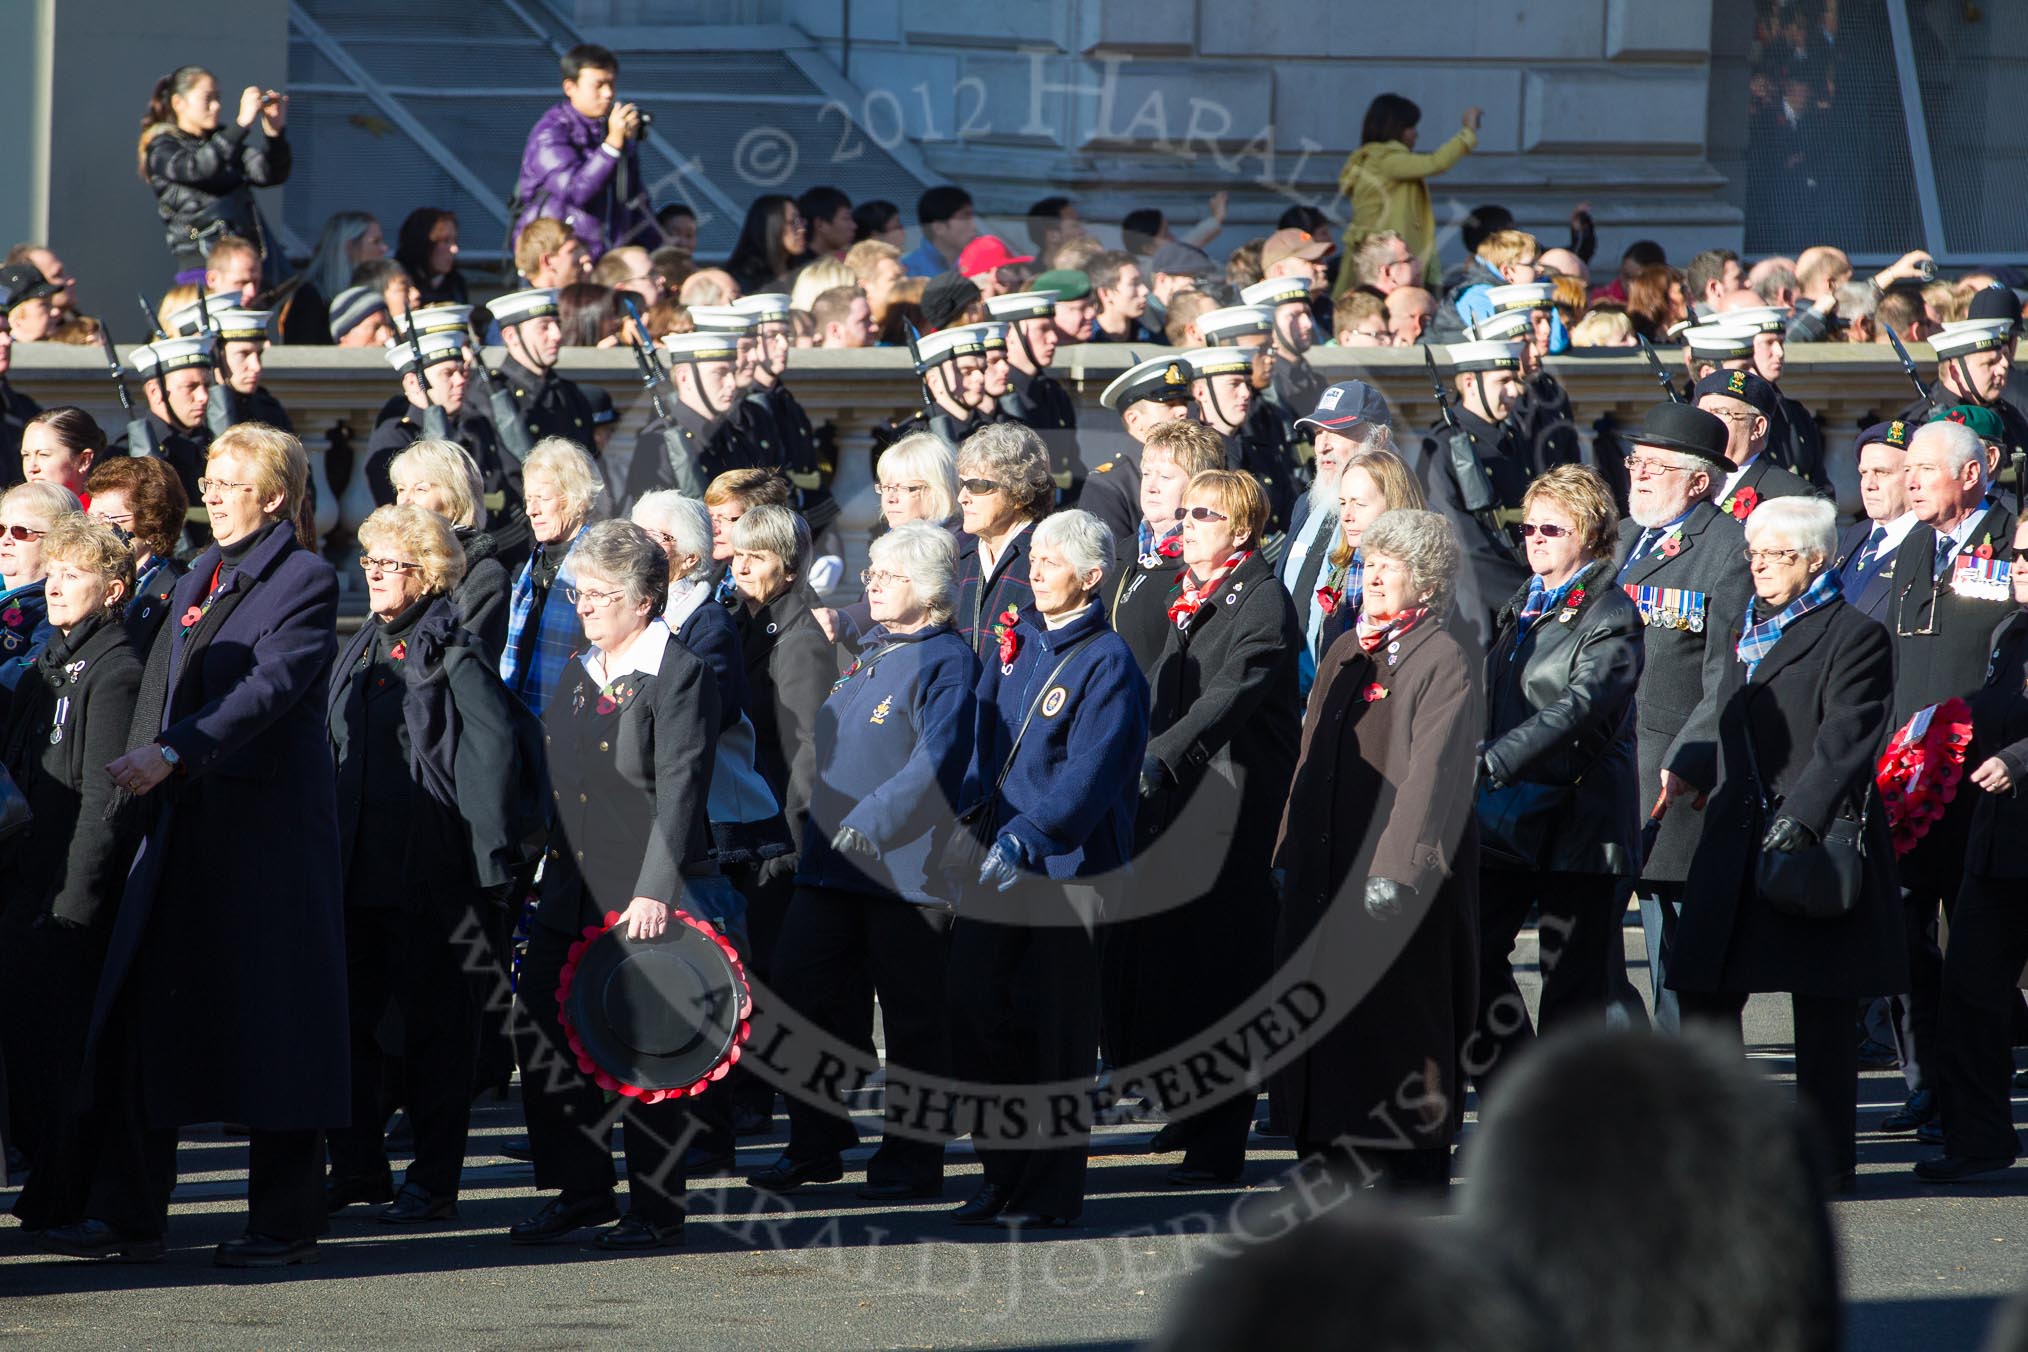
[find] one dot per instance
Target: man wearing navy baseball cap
(1350, 417)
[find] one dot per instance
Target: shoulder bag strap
(1035, 704)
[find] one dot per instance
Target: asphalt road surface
(823, 1270)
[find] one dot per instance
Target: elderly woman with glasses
(442, 478)
(27, 511)
(634, 721)
(1558, 804)
(1372, 482)
(218, 1003)
(893, 743)
(1003, 488)
(142, 497)
(560, 488)
(424, 744)
(918, 482)
(61, 878)
(1380, 864)
(1802, 712)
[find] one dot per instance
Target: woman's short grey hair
(1012, 456)
(623, 554)
(928, 557)
(774, 530)
(47, 500)
(1086, 541)
(687, 520)
(449, 466)
(1805, 523)
(1424, 543)
(575, 472)
(922, 457)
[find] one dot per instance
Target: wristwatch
(169, 756)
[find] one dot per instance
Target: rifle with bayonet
(436, 423)
(654, 376)
(1661, 372)
(1475, 486)
(219, 410)
(1907, 363)
(140, 431)
(507, 419)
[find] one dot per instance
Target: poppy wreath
(607, 1082)
(1919, 773)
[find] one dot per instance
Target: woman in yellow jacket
(1384, 178)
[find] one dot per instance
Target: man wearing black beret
(1747, 405)
(1684, 564)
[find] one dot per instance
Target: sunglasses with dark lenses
(1201, 514)
(1531, 529)
(22, 533)
(979, 487)
(2019, 554)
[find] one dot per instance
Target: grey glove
(780, 866)
(851, 840)
(1787, 836)
(1386, 899)
(1002, 865)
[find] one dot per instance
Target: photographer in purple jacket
(582, 163)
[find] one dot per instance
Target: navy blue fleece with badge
(894, 743)
(1071, 795)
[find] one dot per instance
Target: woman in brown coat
(1379, 861)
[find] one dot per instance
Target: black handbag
(1515, 820)
(1822, 882)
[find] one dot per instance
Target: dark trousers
(1827, 1062)
(1024, 1013)
(1919, 910)
(832, 945)
(767, 904)
(1661, 907)
(1577, 930)
(415, 1011)
(1972, 1060)
(569, 1121)
(49, 976)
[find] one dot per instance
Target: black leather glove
(50, 920)
(1154, 776)
(851, 840)
(1788, 836)
(780, 866)
(1386, 899)
(1002, 865)
(1490, 772)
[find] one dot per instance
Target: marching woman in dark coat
(1802, 715)
(1372, 482)
(1142, 584)
(61, 879)
(1023, 979)
(424, 744)
(223, 997)
(441, 477)
(632, 727)
(1004, 488)
(1380, 861)
(894, 741)
(1559, 813)
(1197, 936)
(142, 496)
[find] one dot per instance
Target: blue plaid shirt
(1757, 640)
(558, 632)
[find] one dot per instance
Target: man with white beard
(1350, 416)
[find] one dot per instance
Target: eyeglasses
(1201, 514)
(1741, 418)
(1901, 629)
(871, 576)
(979, 487)
(124, 520)
(372, 566)
(22, 532)
(660, 537)
(1545, 529)
(599, 599)
(917, 490)
(204, 486)
(1782, 556)
(1641, 467)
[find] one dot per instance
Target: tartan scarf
(1541, 600)
(1758, 638)
(1149, 551)
(1374, 632)
(1191, 596)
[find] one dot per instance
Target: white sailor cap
(1503, 326)
(944, 345)
(440, 318)
(1522, 296)
(1166, 378)
(241, 326)
(722, 319)
(1216, 326)
(766, 307)
(1204, 362)
(703, 345)
(1484, 356)
(164, 355)
(518, 306)
(1275, 291)
(187, 319)
(992, 333)
(1022, 305)
(1718, 342)
(1754, 319)
(1963, 336)
(442, 346)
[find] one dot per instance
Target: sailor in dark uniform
(16, 408)
(689, 451)
(1034, 397)
(176, 380)
(1221, 383)
(750, 439)
(1146, 396)
(1794, 439)
(423, 319)
(434, 403)
(952, 364)
(1715, 347)
(242, 337)
(1294, 385)
(1973, 360)
(1541, 418)
(550, 404)
(773, 338)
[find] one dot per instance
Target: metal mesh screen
(1971, 72)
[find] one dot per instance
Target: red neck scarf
(1375, 632)
(1193, 596)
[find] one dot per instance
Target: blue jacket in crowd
(894, 741)
(1071, 794)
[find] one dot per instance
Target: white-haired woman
(442, 477)
(893, 743)
(918, 482)
(27, 511)
(560, 485)
(1378, 839)
(634, 721)
(1802, 714)
(1024, 967)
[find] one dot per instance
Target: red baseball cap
(986, 253)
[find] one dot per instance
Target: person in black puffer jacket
(202, 174)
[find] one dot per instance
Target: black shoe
(340, 1193)
(1930, 1132)
(263, 1251)
(516, 1148)
(563, 1217)
(1876, 1055)
(703, 1160)
(752, 1121)
(1169, 1138)
(1919, 1108)
(786, 1175)
(636, 1231)
(1960, 1168)
(96, 1239)
(413, 1205)
(1030, 1220)
(901, 1191)
(1187, 1176)
(988, 1202)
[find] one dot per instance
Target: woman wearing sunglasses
(1558, 801)
(27, 511)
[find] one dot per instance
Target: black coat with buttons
(671, 453)
(790, 666)
(551, 406)
(143, 615)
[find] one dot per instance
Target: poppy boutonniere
(1170, 547)
(614, 697)
(1743, 503)
(1985, 549)
(1327, 600)
(399, 652)
(1005, 629)
(192, 616)
(11, 617)
(1376, 691)
(1671, 547)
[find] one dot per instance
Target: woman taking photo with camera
(203, 173)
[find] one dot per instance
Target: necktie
(1944, 545)
(1870, 551)
(1640, 549)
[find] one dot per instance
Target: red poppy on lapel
(1671, 547)
(1327, 600)
(192, 616)
(1374, 692)
(1743, 503)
